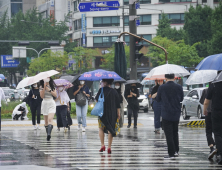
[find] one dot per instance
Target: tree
(35, 28)
(178, 52)
(48, 61)
(197, 28)
(214, 45)
(164, 29)
(83, 58)
(108, 59)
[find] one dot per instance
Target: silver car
(191, 105)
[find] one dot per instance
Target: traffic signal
(138, 47)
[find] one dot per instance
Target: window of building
(77, 24)
(166, 1)
(204, 1)
(16, 6)
(126, 2)
(105, 41)
(106, 21)
(148, 37)
(75, 6)
(175, 18)
(144, 20)
(216, 0)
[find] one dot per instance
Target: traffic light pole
(133, 30)
(135, 36)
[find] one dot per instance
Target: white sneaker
(38, 127)
(35, 128)
(58, 130)
(78, 127)
(83, 129)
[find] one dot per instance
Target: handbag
(98, 109)
(81, 99)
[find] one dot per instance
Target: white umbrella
(42, 76)
(160, 71)
(202, 77)
(24, 83)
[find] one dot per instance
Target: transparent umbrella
(160, 71)
(202, 77)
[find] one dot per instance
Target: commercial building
(14, 6)
(101, 29)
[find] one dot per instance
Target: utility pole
(123, 24)
(133, 30)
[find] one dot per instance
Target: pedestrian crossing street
(132, 149)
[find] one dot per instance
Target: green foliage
(84, 58)
(48, 61)
(197, 27)
(214, 45)
(108, 59)
(164, 29)
(41, 29)
(178, 53)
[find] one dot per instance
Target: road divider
(193, 123)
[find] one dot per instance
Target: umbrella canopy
(2, 76)
(42, 76)
(24, 83)
(201, 77)
(129, 82)
(63, 82)
(71, 79)
(218, 78)
(212, 62)
(120, 81)
(160, 71)
(99, 74)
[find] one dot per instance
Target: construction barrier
(195, 123)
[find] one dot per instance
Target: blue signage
(98, 6)
(137, 23)
(7, 61)
(137, 5)
(83, 22)
(84, 39)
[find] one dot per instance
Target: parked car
(143, 102)
(191, 105)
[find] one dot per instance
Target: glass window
(16, 0)
(145, 1)
(106, 21)
(77, 24)
(106, 41)
(126, 20)
(165, 1)
(126, 2)
(15, 8)
(75, 6)
(204, 1)
(145, 19)
(148, 37)
(175, 18)
(216, 0)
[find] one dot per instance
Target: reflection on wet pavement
(132, 149)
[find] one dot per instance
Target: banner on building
(70, 19)
(52, 10)
(83, 23)
(83, 39)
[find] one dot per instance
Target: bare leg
(50, 118)
(110, 140)
(46, 120)
(101, 136)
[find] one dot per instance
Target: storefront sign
(104, 31)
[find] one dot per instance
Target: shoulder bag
(81, 99)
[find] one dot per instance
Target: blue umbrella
(2, 76)
(99, 74)
(213, 62)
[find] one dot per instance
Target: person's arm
(117, 104)
(75, 92)
(206, 104)
(158, 97)
(54, 93)
(182, 94)
(118, 113)
(58, 97)
(86, 91)
(42, 91)
(97, 95)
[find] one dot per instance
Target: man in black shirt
(215, 94)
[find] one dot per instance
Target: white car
(143, 103)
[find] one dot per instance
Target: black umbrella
(120, 81)
(120, 66)
(218, 78)
(129, 82)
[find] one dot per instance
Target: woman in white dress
(48, 108)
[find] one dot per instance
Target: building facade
(14, 6)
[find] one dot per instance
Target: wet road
(133, 149)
